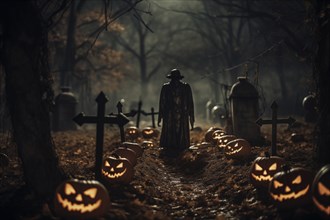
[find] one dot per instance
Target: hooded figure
(176, 109)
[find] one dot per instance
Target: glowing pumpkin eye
(107, 164)
(297, 180)
(258, 168)
(91, 192)
(225, 141)
(68, 189)
(323, 190)
(236, 145)
(120, 165)
(273, 166)
(277, 184)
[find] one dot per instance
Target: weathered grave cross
(100, 119)
(152, 113)
(133, 112)
(274, 121)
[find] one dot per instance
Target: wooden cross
(100, 119)
(152, 113)
(133, 112)
(274, 121)
(138, 114)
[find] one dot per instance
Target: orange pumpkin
(133, 146)
(149, 132)
(321, 191)
(127, 153)
(209, 133)
(238, 149)
(132, 133)
(291, 188)
(117, 169)
(147, 144)
(223, 140)
(81, 199)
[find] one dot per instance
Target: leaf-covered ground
(197, 184)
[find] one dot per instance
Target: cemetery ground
(198, 184)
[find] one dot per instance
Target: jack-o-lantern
(321, 191)
(117, 169)
(238, 149)
(149, 132)
(225, 139)
(81, 199)
(127, 153)
(147, 144)
(132, 133)
(216, 135)
(291, 188)
(209, 133)
(133, 146)
(264, 168)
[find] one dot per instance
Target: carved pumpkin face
(127, 153)
(149, 132)
(81, 199)
(223, 140)
(133, 146)
(146, 144)
(216, 135)
(291, 188)
(238, 149)
(117, 170)
(209, 133)
(321, 191)
(263, 169)
(132, 133)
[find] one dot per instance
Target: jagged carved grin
(325, 209)
(148, 132)
(234, 151)
(291, 195)
(262, 177)
(70, 206)
(113, 175)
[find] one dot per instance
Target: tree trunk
(322, 78)
(70, 50)
(27, 83)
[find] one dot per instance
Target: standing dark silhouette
(176, 109)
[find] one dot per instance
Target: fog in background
(210, 42)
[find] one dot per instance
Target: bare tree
(319, 18)
(24, 56)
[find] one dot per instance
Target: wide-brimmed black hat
(175, 74)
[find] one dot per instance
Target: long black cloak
(176, 108)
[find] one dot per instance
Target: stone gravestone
(245, 111)
(65, 110)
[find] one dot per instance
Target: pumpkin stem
(115, 155)
(285, 168)
(266, 154)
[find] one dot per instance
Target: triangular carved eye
(273, 166)
(277, 184)
(323, 190)
(120, 165)
(107, 164)
(258, 168)
(236, 145)
(297, 180)
(91, 192)
(68, 189)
